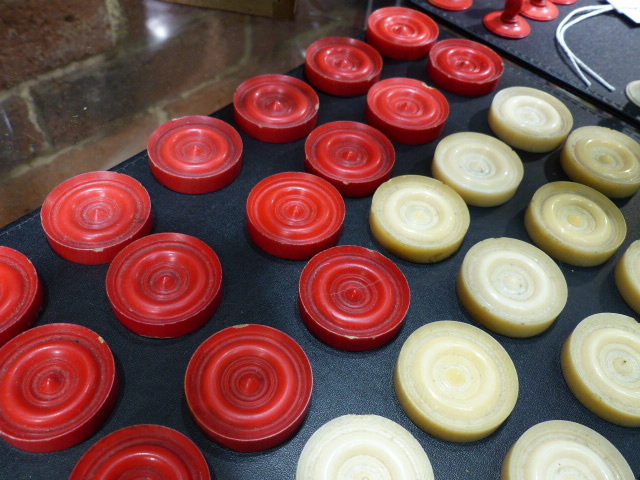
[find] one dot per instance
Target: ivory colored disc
(559, 449)
(627, 276)
(363, 447)
(601, 364)
(418, 218)
(604, 159)
(511, 287)
(633, 92)
(574, 223)
(455, 381)
(484, 170)
(529, 119)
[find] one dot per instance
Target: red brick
(19, 139)
(134, 16)
(39, 35)
(77, 106)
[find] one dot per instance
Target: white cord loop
(579, 65)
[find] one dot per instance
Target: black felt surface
(262, 289)
(608, 43)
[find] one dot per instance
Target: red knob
(508, 23)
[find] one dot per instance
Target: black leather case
(259, 288)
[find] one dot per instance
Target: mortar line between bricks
(25, 94)
(59, 72)
(160, 112)
(117, 19)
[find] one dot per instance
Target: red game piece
(276, 108)
(401, 33)
(465, 67)
(21, 294)
(353, 298)
(541, 10)
(354, 157)
(342, 66)
(58, 385)
(195, 154)
(249, 387)
(453, 5)
(89, 218)
(407, 110)
(507, 23)
(295, 215)
(165, 285)
(157, 451)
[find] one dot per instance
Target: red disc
(195, 154)
(21, 294)
(249, 387)
(353, 298)
(401, 33)
(453, 5)
(465, 67)
(541, 10)
(89, 218)
(295, 215)
(165, 285)
(143, 451)
(354, 157)
(407, 110)
(57, 387)
(342, 66)
(276, 108)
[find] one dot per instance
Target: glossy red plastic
(353, 298)
(276, 108)
(465, 67)
(407, 110)
(354, 157)
(342, 66)
(295, 215)
(508, 23)
(195, 154)
(249, 387)
(541, 10)
(143, 451)
(89, 218)
(58, 385)
(165, 285)
(452, 5)
(21, 294)
(401, 33)
(564, 2)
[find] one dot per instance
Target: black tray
(262, 289)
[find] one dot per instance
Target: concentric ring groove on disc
(249, 387)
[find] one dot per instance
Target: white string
(560, 32)
(579, 65)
